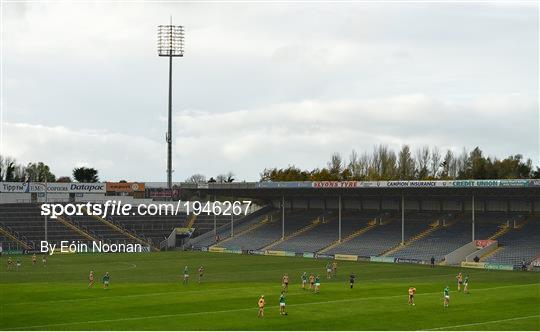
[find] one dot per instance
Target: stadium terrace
(458, 222)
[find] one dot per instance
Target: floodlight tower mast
(170, 44)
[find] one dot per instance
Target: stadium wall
(458, 255)
(14, 198)
(482, 251)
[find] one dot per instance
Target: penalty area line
(481, 323)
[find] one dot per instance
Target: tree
(354, 165)
(320, 175)
(427, 164)
(435, 162)
(230, 177)
(463, 165)
(65, 179)
(11, 170)
(406, 167)
(536, 173)
(39, 172)
(358, 166)
(422, 162)
(448, 166)
(225, 178)
(85, 174)
(512, 167)
(335, 166)
(478, 165)
(388, 163)
(196, 178)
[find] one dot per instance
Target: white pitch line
(193, 291)
(210, 290)
(130, 267)
(481, 323)
(203, 291)
(188, 292)
(231, 310)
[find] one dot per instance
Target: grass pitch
(146, 293)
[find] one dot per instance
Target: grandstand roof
(459, 188)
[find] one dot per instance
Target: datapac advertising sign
(53, 187)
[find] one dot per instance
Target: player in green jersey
(304, 281)
(317, 283)
(186, 276)
(106, 279)
(352, 279)
(466, 285)
(446, 296)
(282, 304)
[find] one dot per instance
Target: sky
(264, 84)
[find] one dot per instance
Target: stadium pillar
(472, 218)
(170, 44)
(402, 219)
(169, 130)
(232, 222)
(339, 218)
(46, 201)
(215, 224)
(282, 217)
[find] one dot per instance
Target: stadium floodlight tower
(170, 44)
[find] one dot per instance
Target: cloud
(264, 85)
(116, 156)
(305, 134)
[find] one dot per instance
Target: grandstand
(520, 243)
(386, 234)
(26, 222)
(325, 233)
(153, 228)
(270, 232)
(407, 221)
(227, 230)
(100, 229)
(445, 239)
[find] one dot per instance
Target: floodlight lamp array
(170, 40)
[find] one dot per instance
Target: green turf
(146, 293)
